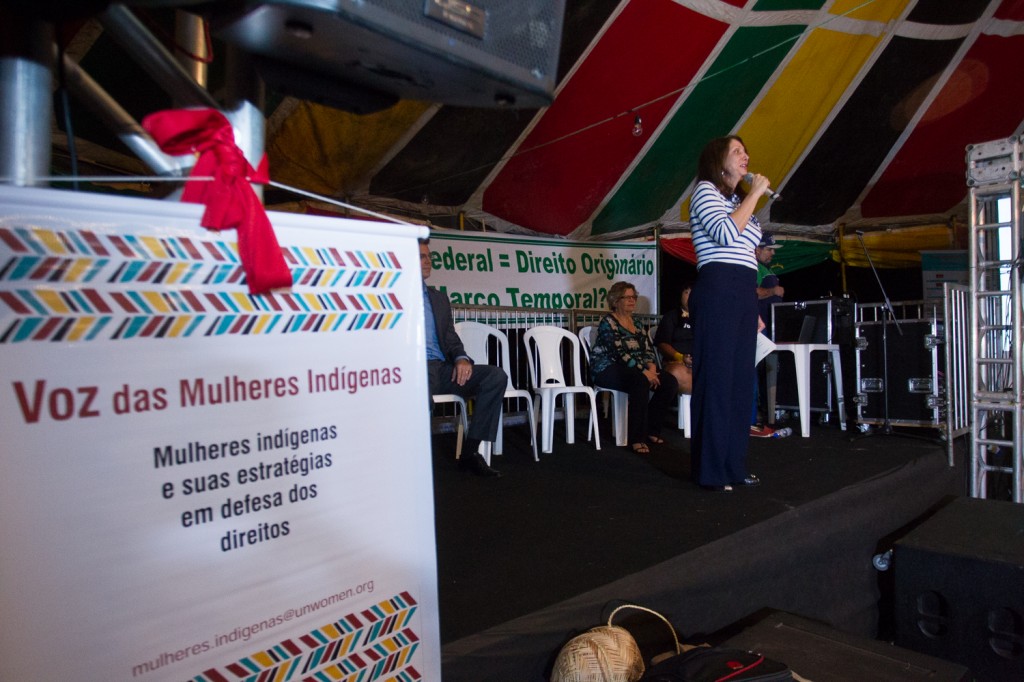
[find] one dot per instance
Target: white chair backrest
(658, 360)
(586, 335)
(544, 355)
(476, 338)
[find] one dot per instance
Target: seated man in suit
(450, 370)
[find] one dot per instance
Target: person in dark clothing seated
(622, 357)
(674, 340)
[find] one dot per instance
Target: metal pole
(26, 105)
(190, 34)
(840, 241)
(244, 107)
(1017, 336)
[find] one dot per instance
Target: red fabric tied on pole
(229, 198)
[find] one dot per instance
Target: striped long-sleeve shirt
(716, 239)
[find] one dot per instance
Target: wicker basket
(607, 653)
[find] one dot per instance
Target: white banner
(197, 483)
(526, 272)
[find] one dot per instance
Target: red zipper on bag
(742, 669)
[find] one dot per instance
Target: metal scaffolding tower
(994, 177)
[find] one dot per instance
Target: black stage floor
(531, 559)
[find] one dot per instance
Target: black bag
(718, 664)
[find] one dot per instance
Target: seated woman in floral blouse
(622, 357)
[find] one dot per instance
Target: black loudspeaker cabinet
(363, 55)
(915, 390)
(960, 587)
(817, 652)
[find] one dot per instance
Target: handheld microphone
(768, 191)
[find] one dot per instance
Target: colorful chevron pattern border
(373, 645)
(77, 285)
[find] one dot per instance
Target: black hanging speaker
(960, 587)
(363, 55)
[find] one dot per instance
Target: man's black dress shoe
(751, 479)
(718, 488)
(476, 464)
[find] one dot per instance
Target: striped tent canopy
(859, 111)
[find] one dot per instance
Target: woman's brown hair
(711, 163)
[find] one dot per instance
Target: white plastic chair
(460, 409)
(476, 340)
(620, 399)
(547, 377)
(684, 414)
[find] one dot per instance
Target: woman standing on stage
(724, 304)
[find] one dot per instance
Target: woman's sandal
(641, 448)
(657, 440)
